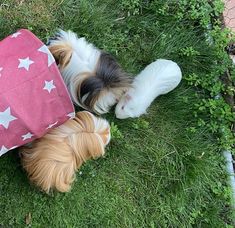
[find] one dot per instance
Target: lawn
(157, 172)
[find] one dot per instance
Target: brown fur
(108, 77)
(89, 88)
(51, 161)
(62, 53)
(95, 91)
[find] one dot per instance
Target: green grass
(156, 173)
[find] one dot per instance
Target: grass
(156, 173)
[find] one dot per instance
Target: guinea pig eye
(122, 107)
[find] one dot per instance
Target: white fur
(84, 58)
(85, 53)
(159, 77)
(101, 125)
(104, 103)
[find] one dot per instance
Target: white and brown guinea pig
(159, 77)
(94, 78)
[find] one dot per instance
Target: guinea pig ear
(126, 99)
(62, 52)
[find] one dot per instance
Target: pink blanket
(33, 96)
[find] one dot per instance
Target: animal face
(94, 78)
(131, 105)
(103, 87)
(125, 107)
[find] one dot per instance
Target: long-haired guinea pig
(94, 78)
(51, 161)
(159, 77)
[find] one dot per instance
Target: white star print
(6, 118)
(15, 34)
(51, 125)
(25, 63)
(50, 57)
(12, 148)
(1, 68)
(71, 115)
(27, 136)
(49, 86)
(3, 150)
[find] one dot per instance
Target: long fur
(51, 161)
(159, 77)
(95, 79)
(62, 54)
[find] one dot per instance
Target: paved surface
(229, 18)
(229, 14)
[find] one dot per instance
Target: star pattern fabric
(3, 150)
(6, 118)
(1, 69)
(49, 86)
(71, 115)
(34, 98)
(15, 35)
(52, 125)
(25, 63)
(50, 57)
(27, 136)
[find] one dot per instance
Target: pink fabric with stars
(33, 96)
